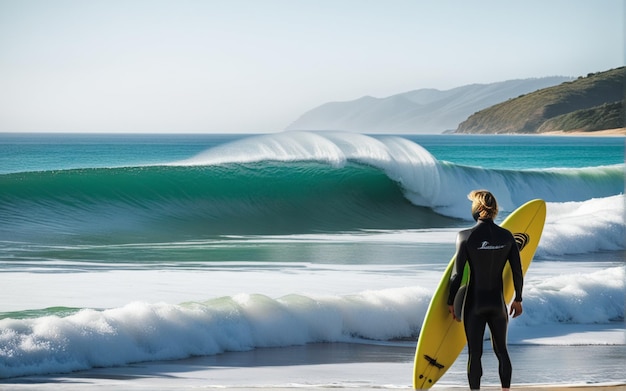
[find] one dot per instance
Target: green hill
(590, 103)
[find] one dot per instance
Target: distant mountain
(594, 102)
(418, 111)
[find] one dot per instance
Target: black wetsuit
(486, 247)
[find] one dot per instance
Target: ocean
(124, 249)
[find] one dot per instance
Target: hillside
(590, 103)
(418, 111)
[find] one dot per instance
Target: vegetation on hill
(607, 116)
(590, 103)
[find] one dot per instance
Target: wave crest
(441, 186)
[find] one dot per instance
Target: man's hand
(516, 309)
(451, 309)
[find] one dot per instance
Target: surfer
(486, 247)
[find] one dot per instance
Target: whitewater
(182, 247)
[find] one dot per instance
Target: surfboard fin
(433, 362)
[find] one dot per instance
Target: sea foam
(582, 227)
(143, 331)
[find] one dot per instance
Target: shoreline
(617, 132)
(339, 366)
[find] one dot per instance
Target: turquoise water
(524, 152)
(168, 246)
(112, 190)
(42, 152)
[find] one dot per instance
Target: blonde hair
(484, 204)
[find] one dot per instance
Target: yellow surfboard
(441, 338)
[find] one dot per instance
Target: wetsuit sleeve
(516, 269)
(459, 265)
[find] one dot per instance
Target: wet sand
(345, 366)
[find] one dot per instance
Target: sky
(249, 66)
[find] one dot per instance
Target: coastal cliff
(591, 103)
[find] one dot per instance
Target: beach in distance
(293, 260)
(617, 132)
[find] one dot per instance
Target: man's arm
(516, 269)
(459, 265)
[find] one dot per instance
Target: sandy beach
(341, 366)
(617, 132)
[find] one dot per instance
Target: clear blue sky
(255, 65)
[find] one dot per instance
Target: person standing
(486, 247)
